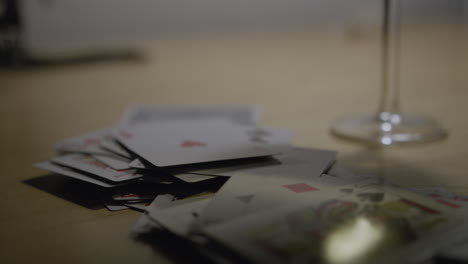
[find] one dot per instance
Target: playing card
(292, 162)
(156, 114)
(109, 144)
(175, 215)
(269, 137)
(47, 165)
(87, 143)
(114, 206)
(144, 225)
(140, 206)
(373, 225)
(186, 142)
(90, 165)
(113, 161)
(193, 177)
(442, 196)
(337, 181)
(137, 164)
(247, 193)
(130, 196)
(297, 162)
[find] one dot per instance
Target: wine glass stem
(389, 100)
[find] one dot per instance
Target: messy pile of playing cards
(241, 193)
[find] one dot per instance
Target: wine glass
(389, 126)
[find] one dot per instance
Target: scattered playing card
(399, 227)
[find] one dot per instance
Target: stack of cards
(241, 193)
(167, 150)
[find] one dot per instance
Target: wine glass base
(402, 129)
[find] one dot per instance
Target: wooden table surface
(300, 79)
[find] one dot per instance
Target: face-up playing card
(113, 161)
(398, 227)
(109, 144)
(269, 137)
(248, 193)
(87, 143)
(444, 197)
(177, 215)
(188, 142)
(246, 115)
(47, 165)
(91, 165)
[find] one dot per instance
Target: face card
(398, 227)
(47, 165)
(90, 165)
(188, 142)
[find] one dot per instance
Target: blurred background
(61, 27)
(81, 63)
(74, 66)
